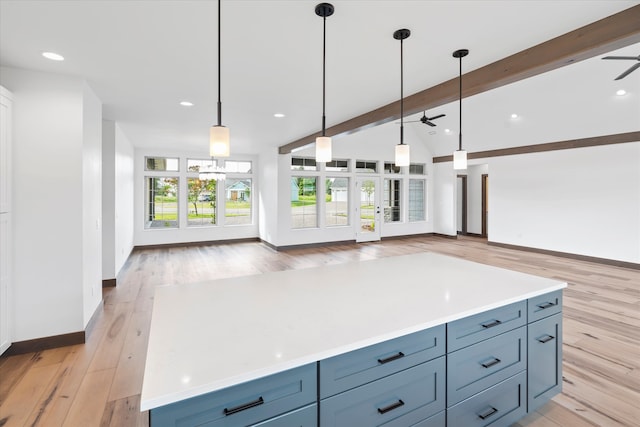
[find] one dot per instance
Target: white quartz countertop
(208, 336)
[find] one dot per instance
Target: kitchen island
(421, 339)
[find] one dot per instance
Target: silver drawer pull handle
(258, 401)
(391, 407)
(492, 324)
(545, 339)
(487, 414)
(391, 358)
(545, 305)
(495, 361)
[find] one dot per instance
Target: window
(161, 202)
(416, 169)
(303, 202)
(201, 202)
(337, 166)
(233, 166)
(303, 164)
(237, 200)
(196, 165)
(416, 199)
(366, 166)
(391, 168)
(391, 200)
(337, 201)
(161, 164)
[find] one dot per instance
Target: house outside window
(237, 209)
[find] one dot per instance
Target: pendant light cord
(219, 86)
(460, 106)
(401, 94)
(324, 51)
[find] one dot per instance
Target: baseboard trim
(446, 236)
(55, 341)
(605, 261)
(199, 243)
(307, 245)
(109, 283)
(407, 236)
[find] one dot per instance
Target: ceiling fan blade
(429, 123)
(621, 57)
(436, 117)
(629, 71)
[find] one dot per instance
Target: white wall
(144, 237)
(50, 124)
(445, 199)
(91, 202)
(108, 199)
(364, 145)
(117, 199)
(268, 196)
(582, 201)
(123, 206)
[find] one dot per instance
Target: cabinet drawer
(545, 360)
(243, 404)
(482, 365)
(472, 329)
(544, 305)
(501, 405)
(303, 417)
(402, 399)
(346, 371)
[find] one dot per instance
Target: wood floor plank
(91, 399)
(124, 412)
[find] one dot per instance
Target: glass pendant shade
(323, 149)
(219, 141)
(460, 159)
(402, 155)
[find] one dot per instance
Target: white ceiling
(143, 57)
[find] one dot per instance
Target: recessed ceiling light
(186, 104)
(278, 115)
(514, 116)
(53, 56)
(447, 131)
(621, 92)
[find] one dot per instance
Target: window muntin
(363, 166)
(417, 169)
(391, 168)
(161, 164)
(303, 164)
(201, 202)
(161, 202)
(417, 200)
(337, 166)
(391, 200)
(304, 207)
(337, 201)
(237, 201)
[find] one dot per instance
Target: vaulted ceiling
(143, 57)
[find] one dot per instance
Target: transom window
(337, 166)
(364, 166)
(303, 164)
(161, 164)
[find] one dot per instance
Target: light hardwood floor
(99, 383)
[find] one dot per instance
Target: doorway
(367, 207)
(462, 204)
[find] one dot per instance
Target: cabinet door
(402, 399)
(303, 417)
(545, 360)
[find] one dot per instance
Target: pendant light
(402, 149)
(219, 135)
(460, 156)
(323, 143)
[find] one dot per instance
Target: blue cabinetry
(487, 369)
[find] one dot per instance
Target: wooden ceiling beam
(605, 35)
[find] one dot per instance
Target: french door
(367, 209)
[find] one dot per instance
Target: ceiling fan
(427, 120)
(631, 69)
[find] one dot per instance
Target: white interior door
(368, 219)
